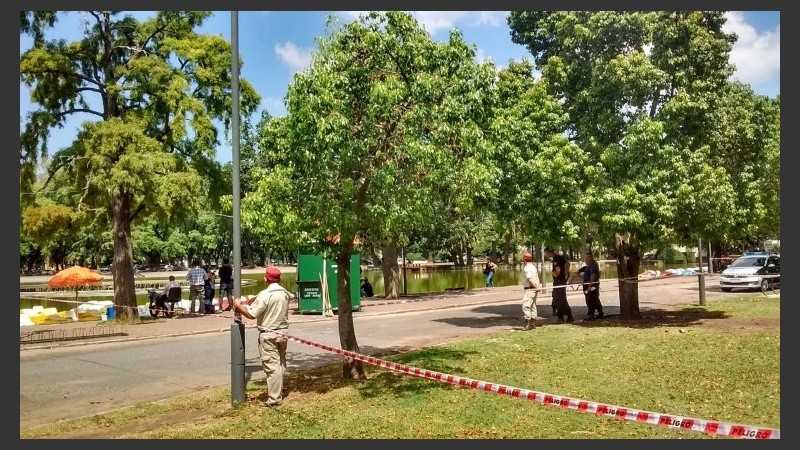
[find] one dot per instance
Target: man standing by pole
(270, 310)
(561, 308)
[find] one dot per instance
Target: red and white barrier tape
(618, 412)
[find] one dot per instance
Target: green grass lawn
(720, 362)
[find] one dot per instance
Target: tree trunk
(124, 286)
(347, 335)
(468, 255)
(584, 240)
(390, 270)
(248, 254)
(628, 255)
(509, 252)
(368, 256)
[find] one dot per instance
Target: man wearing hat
(270, 310)
(531, 291)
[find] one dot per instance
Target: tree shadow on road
(511, 315)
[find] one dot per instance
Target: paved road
(60, 381)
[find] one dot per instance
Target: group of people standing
(202, 282)
(270, 309)
(561, 309)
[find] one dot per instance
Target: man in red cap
(531, 291)
(270, 310)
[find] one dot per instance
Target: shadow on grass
(325, 370)
(662, 318)
(434, 359)
(320, 380)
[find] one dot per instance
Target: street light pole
(237, 328)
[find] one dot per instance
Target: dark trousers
(593, 303)
(561, 308)
(226, 291)
(208, 300)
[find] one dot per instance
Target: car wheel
(765, 284)
(726, 289)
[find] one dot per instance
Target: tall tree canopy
(640, 89)
(539, 169)
(383, 120)
(150, 91)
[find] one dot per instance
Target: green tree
(54, 228)
(381, 120)
(156, 87)
(539, 169)
(745, 141)
(639, 88)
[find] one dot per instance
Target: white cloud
(296, 58)
(757, 57)
(351, 15)
(434, 21)
(481, 56)
(493, 18)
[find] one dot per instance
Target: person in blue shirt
(196, 276)
(489, 270)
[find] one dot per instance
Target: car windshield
(748, 262)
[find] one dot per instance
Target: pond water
(417, 282)
(424, 281)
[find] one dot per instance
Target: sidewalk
(653, 294)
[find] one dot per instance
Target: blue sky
(275, 45)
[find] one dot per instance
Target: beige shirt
(531, 276)
(271, 308)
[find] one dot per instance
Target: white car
(756, 270)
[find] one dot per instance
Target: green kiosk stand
(309, 282)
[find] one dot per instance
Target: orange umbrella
(75, 277)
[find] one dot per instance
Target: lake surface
(416, 282)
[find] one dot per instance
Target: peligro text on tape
(618, 412)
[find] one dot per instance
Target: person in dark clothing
(226, 285)
(561, 308)
(208, 298)
(366, 288)
(591, 287)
